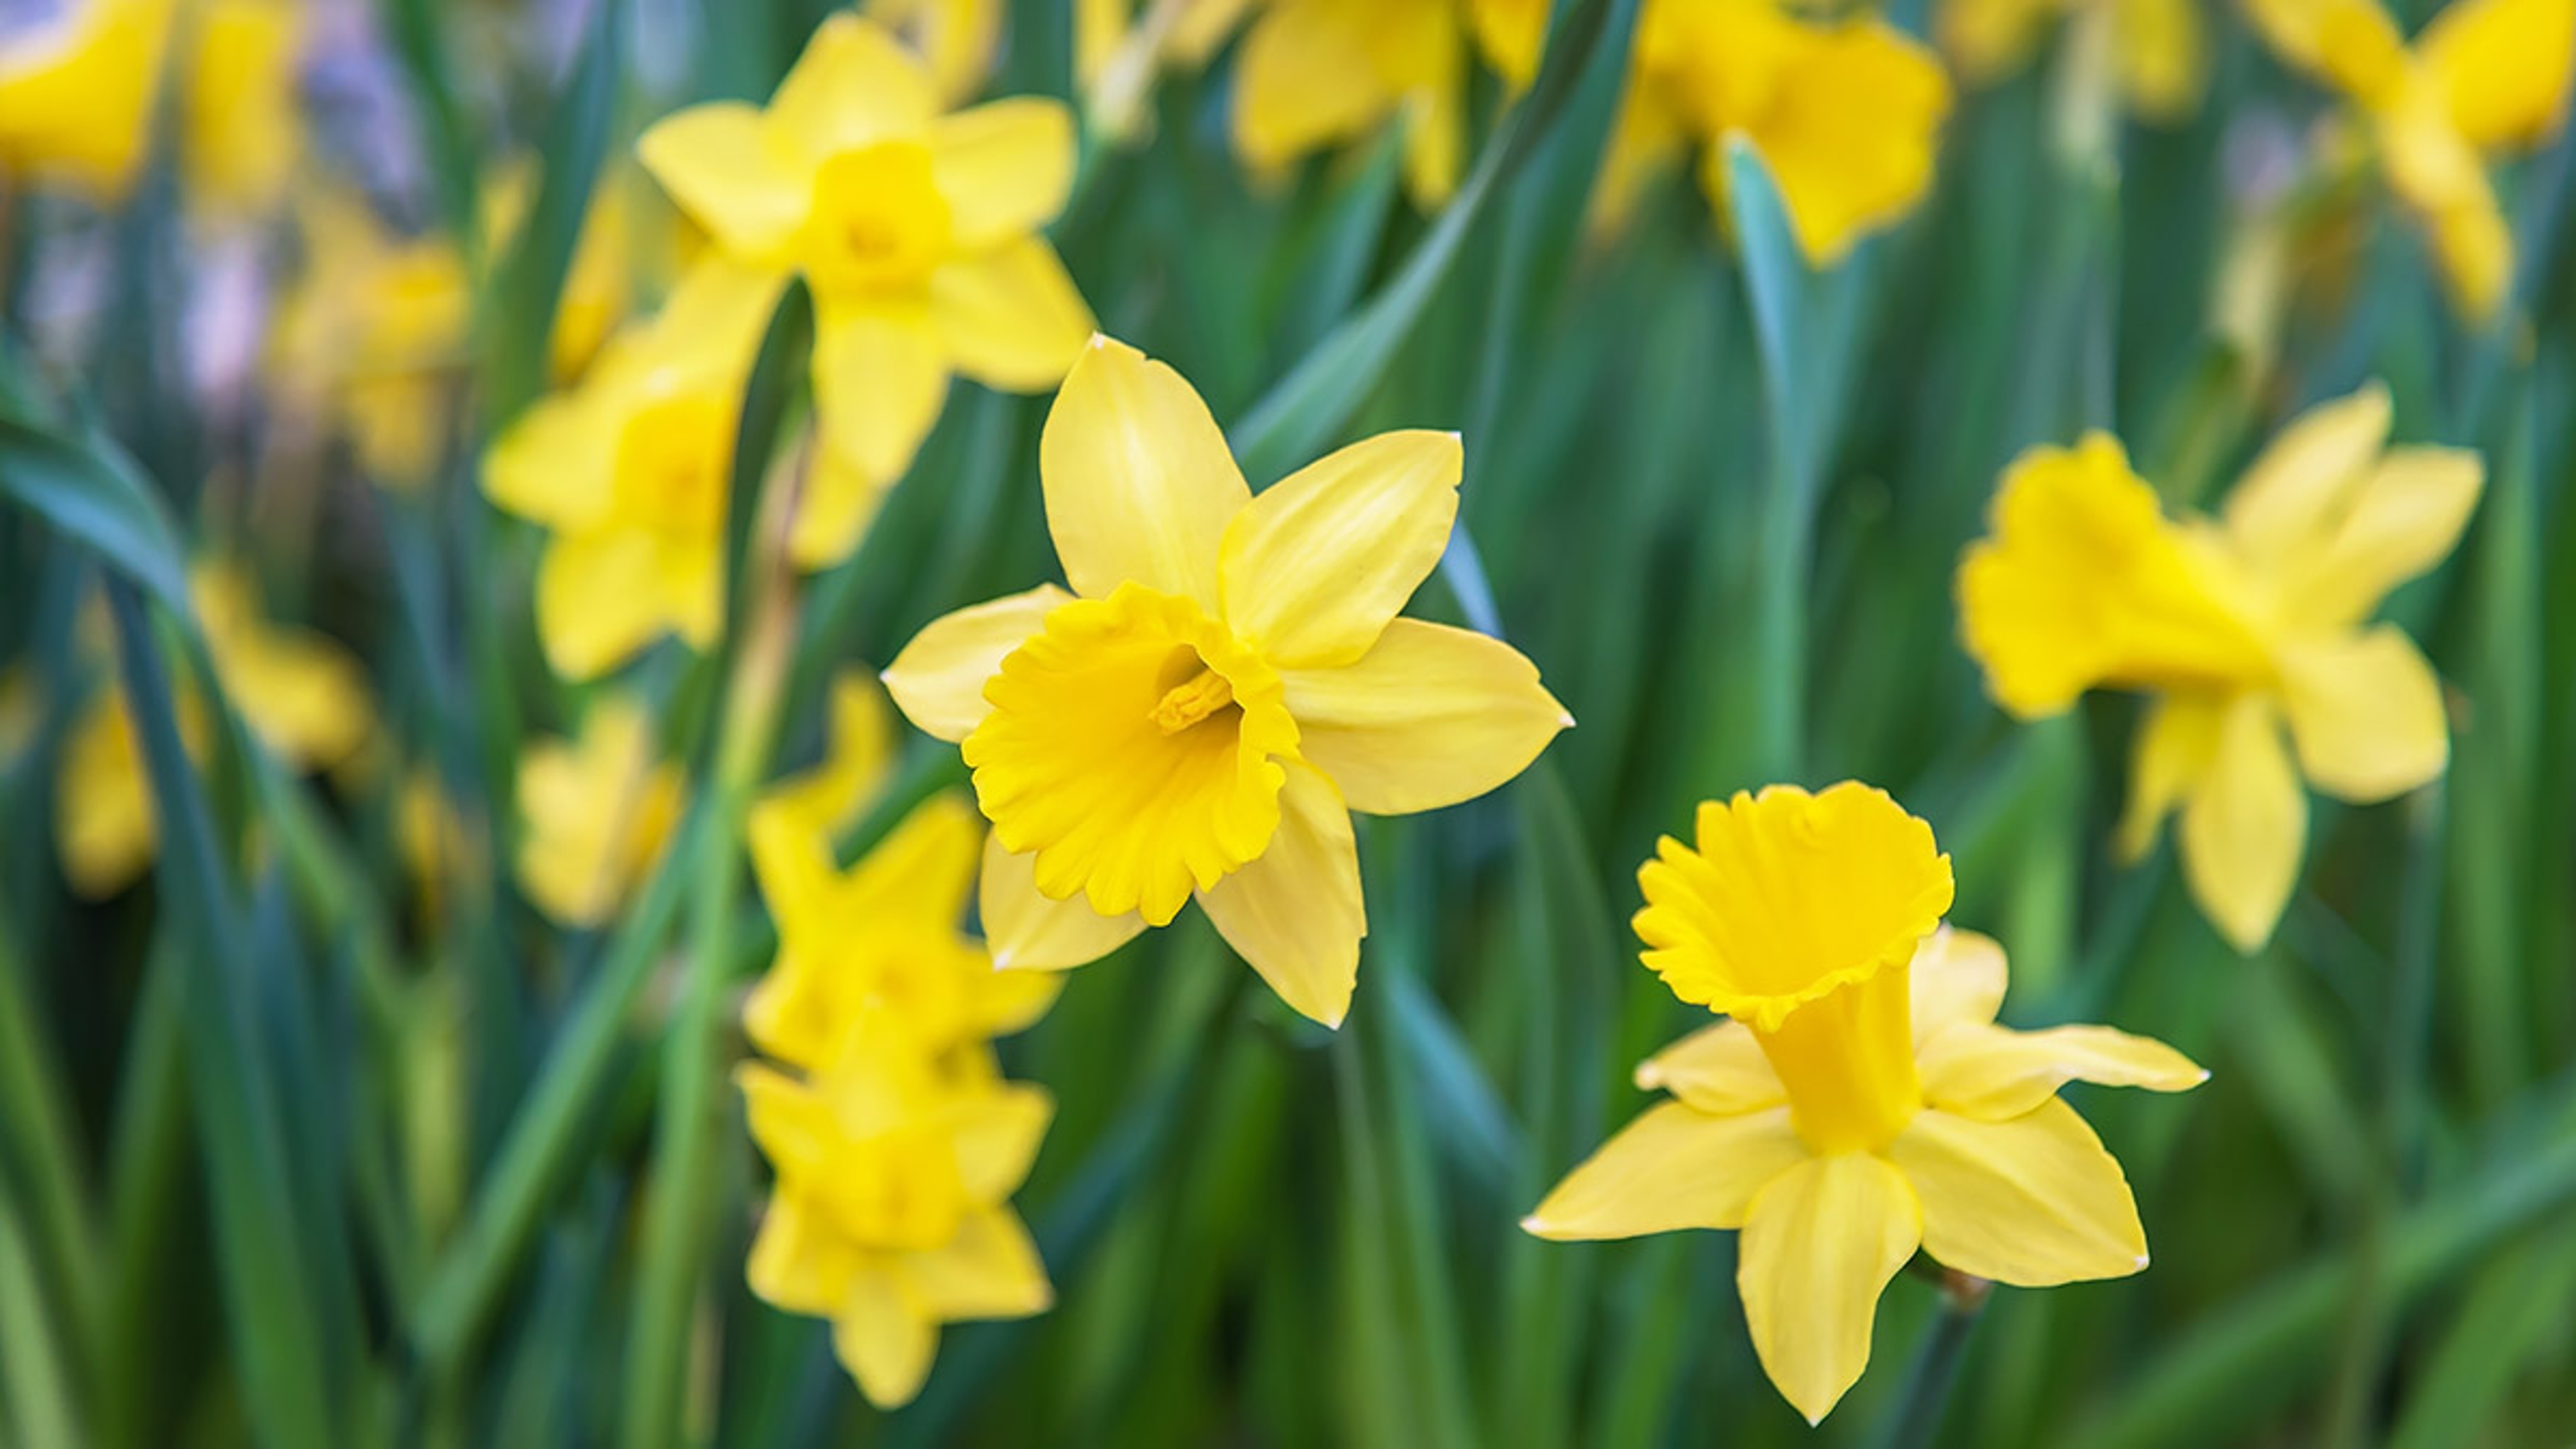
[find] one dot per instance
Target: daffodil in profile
(630, 471)
(1318, 73)
(891, 1213)
(1227, 680)
(1845, 113)
(916, 232)
(2485, 79)
(1861, 1103)
(2158, 50)
(77, 92)
(2249, 631)
(598, 809)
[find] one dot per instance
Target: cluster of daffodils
(2250, 632)
(1861, 1103)
(1846, 113)
(1226, 681)
(2485, 79)
(896, 1142)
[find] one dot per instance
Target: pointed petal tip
(1534, 1225)
(1647, 1076)
(2141, 1263)
(1565, 719)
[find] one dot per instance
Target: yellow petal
(1819, 1245)
(1305, 78)
(880, 377)
(2244, 827)
(1646, 139)
(2163, 56)
(239, 138)
(2352, 45)
(791, 1124)
(855, 84)
(725, 166)
(601, 597)
(839, 501)
(990, 1269)
(924, 867)
(2504, 65)
(2033, 1201)
(1139, 484)
(2297, 487)
(998, 1138)
(1430, 716)
(1314, 568)
(938, 680)
(1434, 106)
(1992, 1073)
(2402, 520)
(1674, 1167)
(1717, 1069)
(1005, 168)
(798, 1263)
(1028, 932)
(2177, 740)
(1987, 40)
(1010, 317)
(883, 1339)
(1510, 33)
(1790, 896)
(1295, 913)
(792, 864)
(1850, 135)
(554, 464)
(2365, 713)
(1958, 976)
(104, 825)
(858, 753)
(2475, 249)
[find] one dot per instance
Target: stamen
(1188, 703)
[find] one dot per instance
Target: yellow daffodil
(828, 798)
(2240, 627)
(880, 940)
(1862, 1103)
(2159, 49)
(915, 231)
(598, 810)
(371, 334)
(631, 469)
(77, 94)
(1846, 114)
(299, 692)
(1227, 680)
(956, 39)
(1317, 73)
(2486, 78)
(240, 136)
(891, 1213)
(1117, 51)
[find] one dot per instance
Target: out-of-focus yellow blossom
(429, 835)
(1846, 114)
(372, 332)
(880, 939)
(77, 94)
(828, 798)
(1317, 73)
(2485, 78)
(240, 136)
(915, 231)
(2159, 49)
(598, 808)
(891, 1215)
(1117, 52)
(299, 692)
(628, 241)
(1227, 681)
(2241, 627)
(956, 39)
(630, 470)
(1863, 1102)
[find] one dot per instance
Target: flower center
(898, 1190)
(1847, 1060)
(673, 459)
(1132, 746)
(877, 222)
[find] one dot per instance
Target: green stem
(1916, 1419)
(40, 1154)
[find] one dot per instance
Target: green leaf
(90, 491)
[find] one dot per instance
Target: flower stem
(1916, 1420)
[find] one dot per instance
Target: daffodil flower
(1227, 680)
(915, 231)
(1316, 73)
(1862, 1103)
(77, 91)
(891, 1213)
(630, 471)
(598, 810)
(1846, 114)
(2485, 78)
(300, 693)
(371, 334)
(2241, 628)
(2158, 49)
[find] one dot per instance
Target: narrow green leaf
(91, 492)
